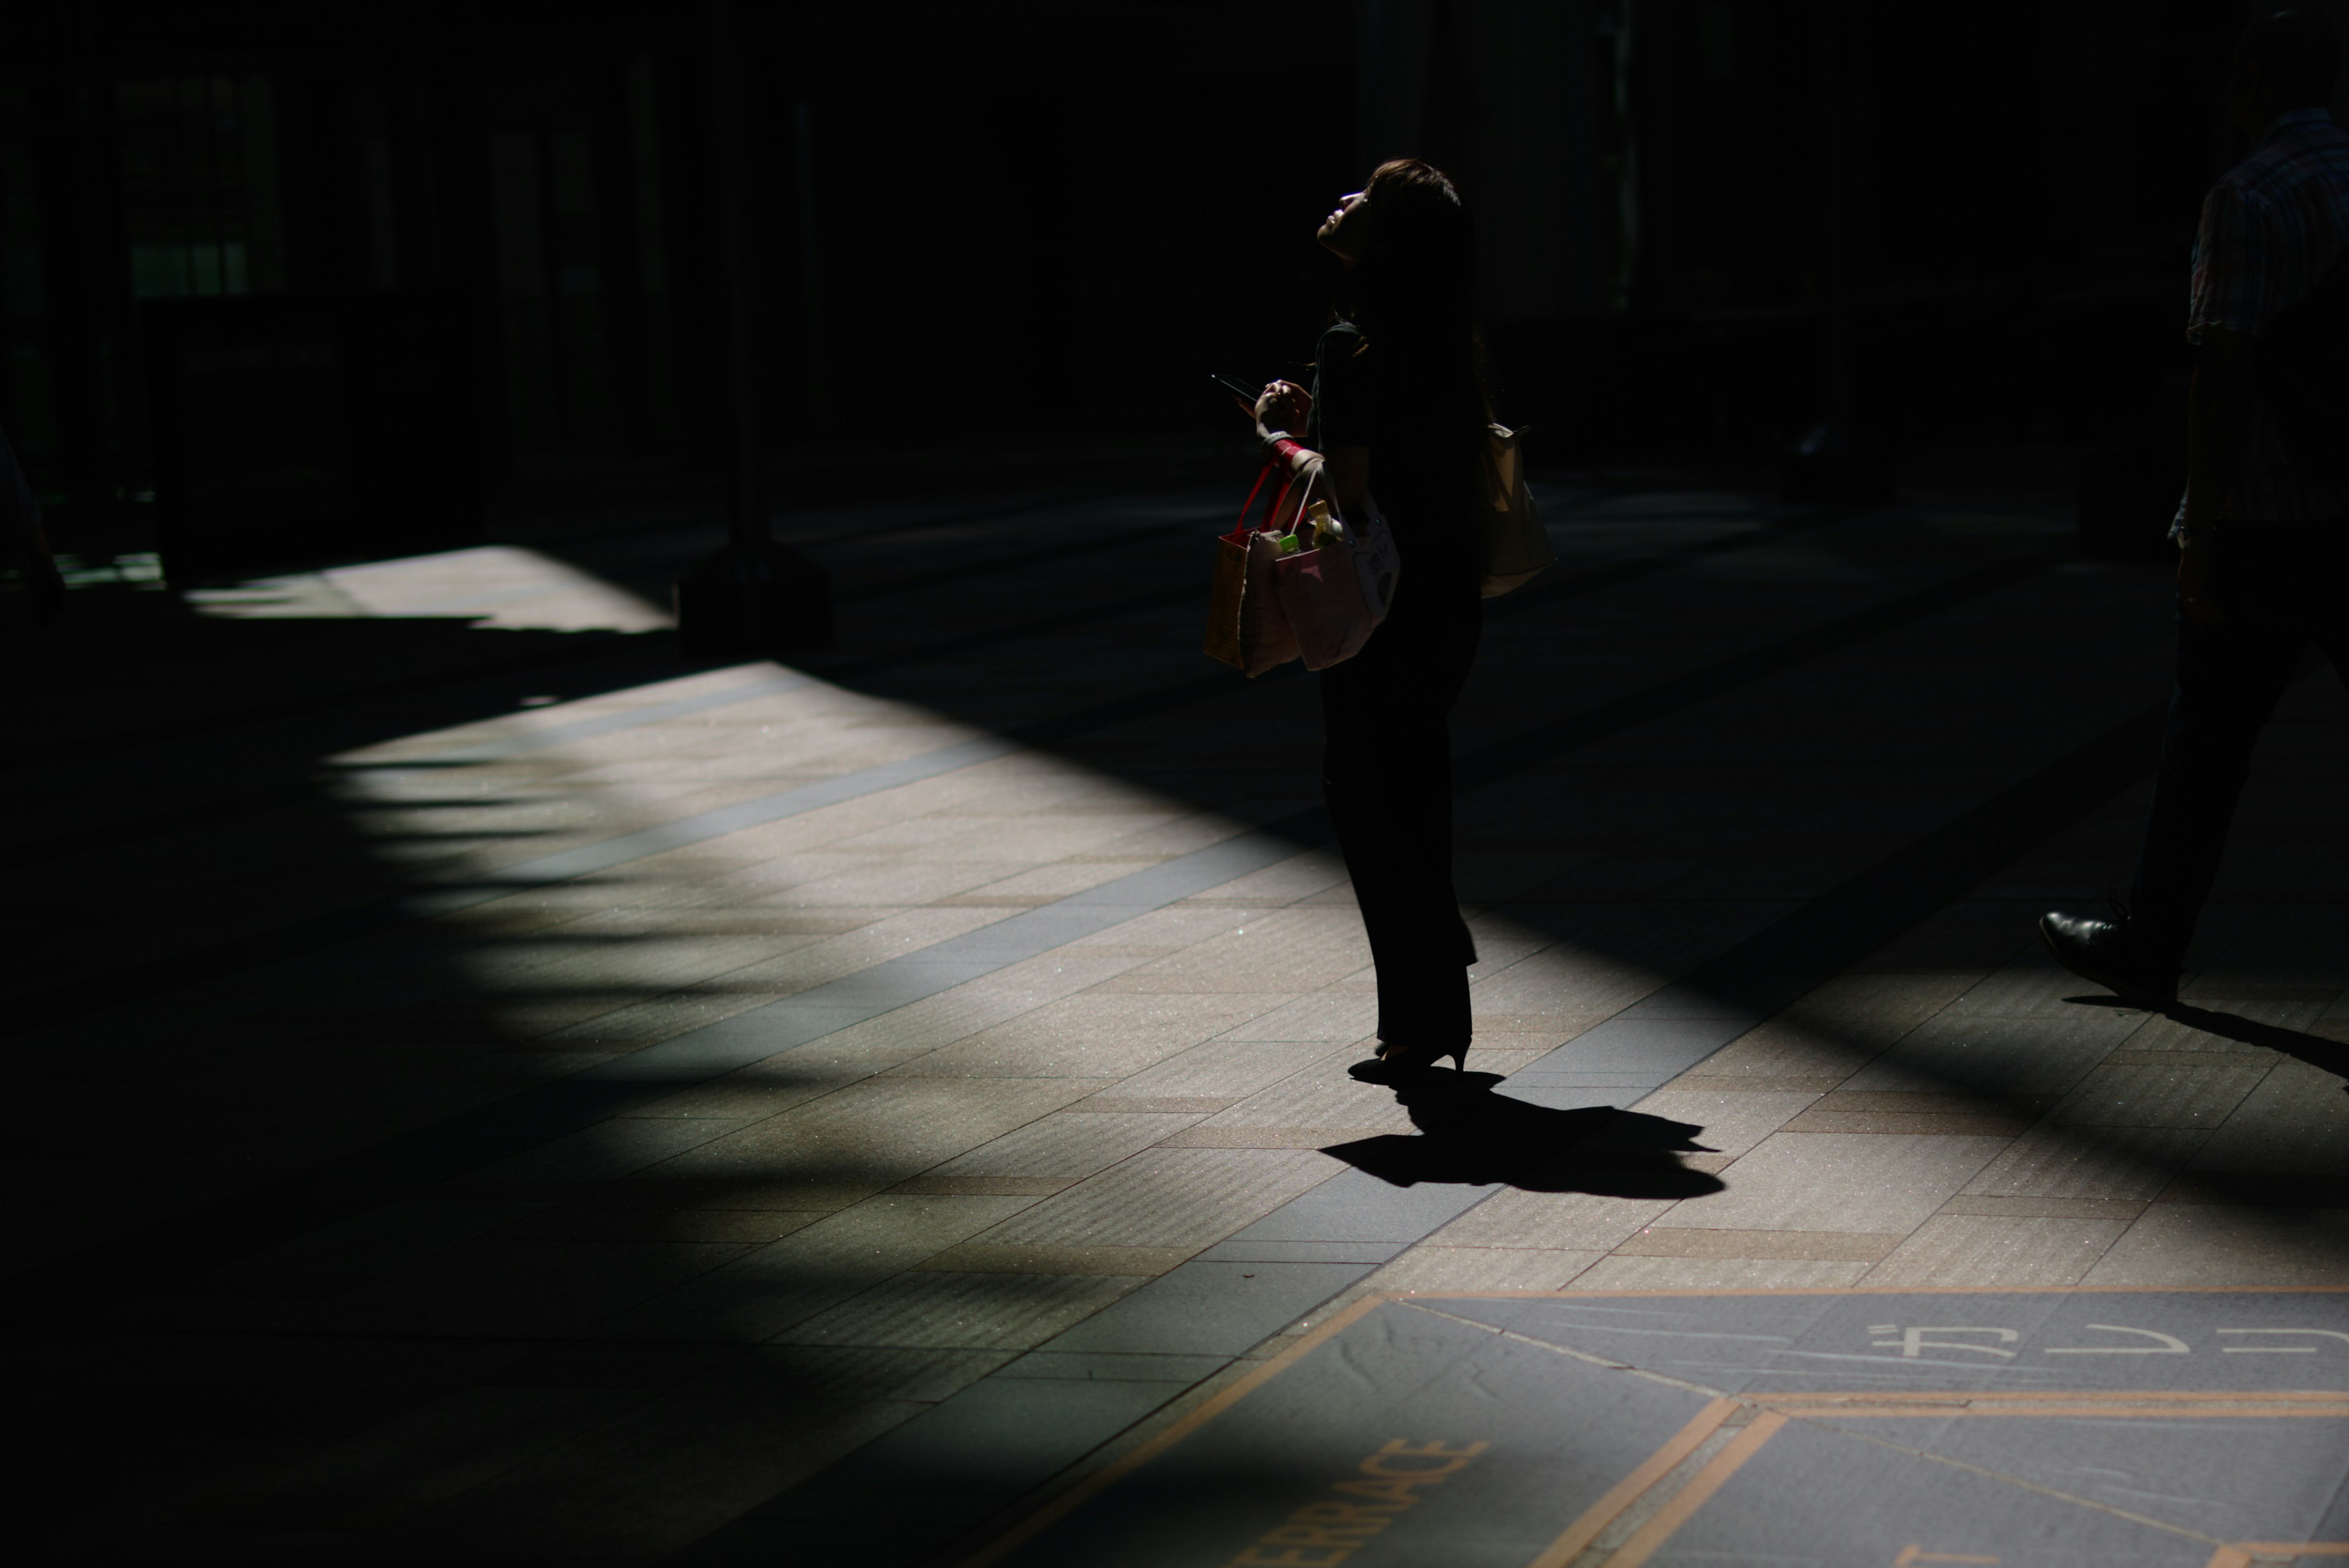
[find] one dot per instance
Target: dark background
(1017, 219)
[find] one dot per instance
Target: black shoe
(1402, 1063)
(2109, 952)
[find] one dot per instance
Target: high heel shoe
(1401, 1063)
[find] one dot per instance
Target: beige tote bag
(1517, 547)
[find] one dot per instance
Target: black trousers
(1386, 773)
(2281, 587)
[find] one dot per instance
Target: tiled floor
(499, 1096)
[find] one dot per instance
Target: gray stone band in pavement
(702, 826)
(812, 1014)
(589, 729)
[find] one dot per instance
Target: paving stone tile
(2121, 1209)
(1094, 1034)
(2032, 985)
(1809, 1246)
(1167, 931)
(1181, 1370)
(2159, 1033)
(2195, 1244)
(882, 1130)
(1997, 1054)
(1565, 983)
(1981, 1250)
(1781, 1051)
(2185, 1095)
(1944, 1115)
(1730, 1121)
(1065, 1147)
(964, 1309)
(1353, 1205)
(2297, 1150)
(1321, 1096)
(1168, 1198)
(1881, 1004)
(1840, 1181)
(1538, 1032)
(2297, 1094)
(2101, 1163)
(1265, 1137)
(1323, 1015)
(660, 1018)
(1561, 1221)
(1205, 1308)
(1295, 947)
(1030, 1258)
(1653, 1049)
(1287, 881)
(1226, 1069)
(1614, 1273)
(1242, 1250)
(764, 1292)
(984, 1186)
(1444, 1268)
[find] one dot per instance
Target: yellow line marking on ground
(1110, 1474)
(1654, 1469)
(2151, 1410)
(2240, 1553)
(1890, 1291)
(2035, 1396)
(1692, 1497)
(2107, 1404)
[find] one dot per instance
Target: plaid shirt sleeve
(2230, 265)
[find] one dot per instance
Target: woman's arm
(1284, 408)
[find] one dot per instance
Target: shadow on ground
(2326, 1056)
(1472, 1136)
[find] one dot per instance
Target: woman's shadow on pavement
(1472, 1136)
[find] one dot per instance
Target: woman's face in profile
(1347, 231)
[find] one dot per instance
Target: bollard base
(751, 604)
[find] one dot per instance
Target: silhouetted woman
(1397, 408)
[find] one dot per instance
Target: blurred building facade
(1017, 215)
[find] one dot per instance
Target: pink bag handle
(1273, 510)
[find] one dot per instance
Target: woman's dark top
(1423, 451)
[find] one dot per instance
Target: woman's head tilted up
(1409, 245)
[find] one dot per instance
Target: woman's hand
(1283, 406)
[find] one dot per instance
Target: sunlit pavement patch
(2207, 1429)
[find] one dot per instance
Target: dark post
(753, 597)
(1836, 461)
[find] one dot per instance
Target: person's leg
(2228, 679)
(1387, 779)
(2327, 605)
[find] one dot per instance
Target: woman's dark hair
(1413, 291)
